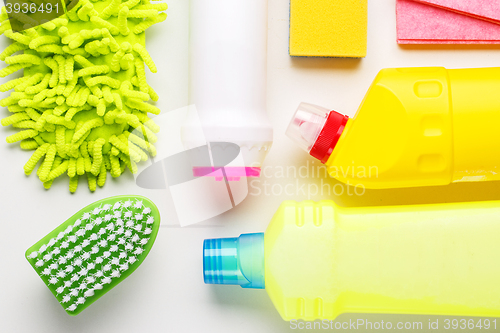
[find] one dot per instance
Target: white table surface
(167, 293)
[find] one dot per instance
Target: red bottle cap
(329, 136)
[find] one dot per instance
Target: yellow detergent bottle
(415, 127)
(318, 260)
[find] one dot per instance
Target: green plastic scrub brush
(82, 103)
(95, 249)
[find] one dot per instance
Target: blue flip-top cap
(235, 261)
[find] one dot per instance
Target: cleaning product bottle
(228, 76)
(318, 260)
(415, 127)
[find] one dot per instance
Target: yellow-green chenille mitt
(83, 102)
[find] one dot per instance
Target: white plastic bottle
(228, 74)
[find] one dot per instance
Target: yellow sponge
(328, 28)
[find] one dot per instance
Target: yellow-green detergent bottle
(319, 260)
(415, 127)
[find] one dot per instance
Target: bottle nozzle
(316, 130)
(235, 261)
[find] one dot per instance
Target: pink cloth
(488, 10)
(422, 23)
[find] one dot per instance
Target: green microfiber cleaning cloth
(82, 103)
